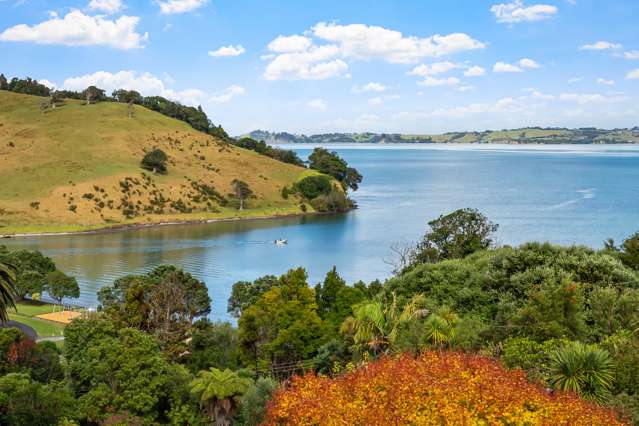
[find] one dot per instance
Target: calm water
(580, 194)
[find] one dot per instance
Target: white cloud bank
(503, 67)
(318, 104)
(170, 7)
(227, 51)
(299, 57)
(78, 29)
(106, 6)
(601, 45)
(517, 11)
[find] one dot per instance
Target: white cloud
(606, 82)
(319, 104)
(227, 51)
(359, 41)
(435, 82)
(375, 101)
(536, 94)
(574, 80)
(475, 71)
(631, 54)
(78, 29)
(289, 44)
(633, 75)
(465, 88)
(504, 67)
(433, 69)
(503, 105)
(601, 45)
(228, 94)
(300, 57)
(517, 11)
(370, 87)
(317, 63)
(47, 83)
(528, 63)
(106, 6)
(169, 7)
(591, 98)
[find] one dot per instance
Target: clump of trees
(155, 161)
(330, 163)
(261, 147)
(35, 273)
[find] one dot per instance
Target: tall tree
(4, 84)
(94, 95)
(241, 191)
(246, 293)
(283, 326)
(220, 392)
(31, 270)
(60, 285)
(7, 290)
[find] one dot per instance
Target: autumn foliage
(432, 389)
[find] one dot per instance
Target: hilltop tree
(94, 95)
(59, 285)
(4, 84)
(155, 161)
(241, 191)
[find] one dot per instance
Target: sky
(423, 66)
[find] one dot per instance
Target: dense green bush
(313, 186)
(155, 161)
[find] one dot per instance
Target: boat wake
(584, 194)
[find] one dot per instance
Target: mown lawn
(26, 315)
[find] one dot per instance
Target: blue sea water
(563, 194)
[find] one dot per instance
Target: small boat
(281, 242)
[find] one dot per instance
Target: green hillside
(77, 167)
(529, 135)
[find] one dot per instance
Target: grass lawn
(26, 314)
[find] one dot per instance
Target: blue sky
(322, 66)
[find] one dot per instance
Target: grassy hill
(529, 135)
(77, 167)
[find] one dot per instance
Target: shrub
(155, 161)
(313, 186)
(435, 388)
(333, 202)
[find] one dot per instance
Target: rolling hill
(529, 135)
(77, 167)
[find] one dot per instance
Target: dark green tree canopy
(165, 303)
(313, 186)
(332, 164)
(283, 155)
(155, 161)
(31, 270)
(94, 94)
(455, 235)
(59, 285)
(246, 293)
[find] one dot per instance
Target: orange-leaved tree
(433, 389)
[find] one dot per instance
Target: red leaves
(436, 388)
